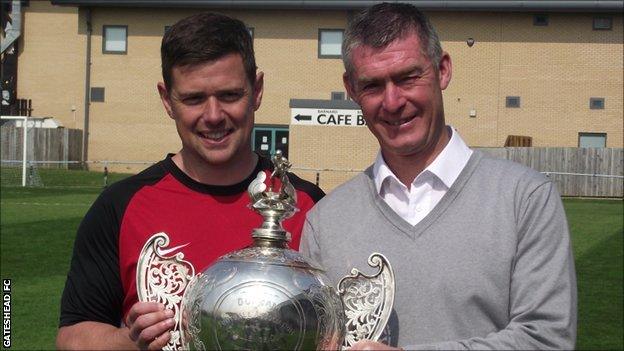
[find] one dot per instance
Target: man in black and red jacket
(197, 196)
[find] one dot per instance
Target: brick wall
(554, 69)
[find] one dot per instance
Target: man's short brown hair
(203, 38)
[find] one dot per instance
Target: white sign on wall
(327, 117)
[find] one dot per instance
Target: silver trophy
(266, 296)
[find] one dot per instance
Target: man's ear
(258, 89)
(445, 70)
(165, 97)
(346, 80)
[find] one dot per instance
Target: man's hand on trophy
(367, 345)
(149, 324)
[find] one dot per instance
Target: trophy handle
(164, 279)
(367, 301)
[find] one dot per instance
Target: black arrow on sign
(303, 118)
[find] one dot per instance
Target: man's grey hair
(380, 25)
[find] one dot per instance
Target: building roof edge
(465, 5)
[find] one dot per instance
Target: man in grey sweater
(480, 247)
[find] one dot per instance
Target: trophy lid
(271, 255)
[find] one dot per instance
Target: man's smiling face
(400, 92)
(213, 105)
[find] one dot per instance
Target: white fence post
(24, 150)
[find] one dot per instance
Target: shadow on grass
(600, 294)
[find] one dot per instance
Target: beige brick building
(548, 61)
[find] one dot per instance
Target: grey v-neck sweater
(490, 267)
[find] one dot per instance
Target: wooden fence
(57, 145)
(585, 172)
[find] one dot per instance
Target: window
(330, 43)
(266, 139)
(592, 140)
(603, 23)
(97, 94)
(337, 95)
(540, 20)
(512, 101)
(596, 103)
(115, 40)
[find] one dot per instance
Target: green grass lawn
(37, 230)
(597, 231)
(38, 226)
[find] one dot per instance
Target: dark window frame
(510, 99)
(597, 18)
(580, 134)
(594, 100)
(338, 95)
(110, 52)
(95, 92)
(541, 20)
(318, 50)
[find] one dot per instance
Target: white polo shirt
(428, 187)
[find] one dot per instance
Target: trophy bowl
(262, 298)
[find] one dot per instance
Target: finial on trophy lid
(275, 204)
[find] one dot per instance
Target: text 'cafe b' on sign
(327, 117)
